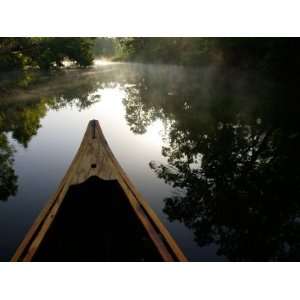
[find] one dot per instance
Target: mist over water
(214, 151)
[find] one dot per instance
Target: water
(214, 152)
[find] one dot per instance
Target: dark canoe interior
(96, 223)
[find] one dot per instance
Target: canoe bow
(95, 158)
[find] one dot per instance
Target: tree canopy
(272, 55)
(44, 52)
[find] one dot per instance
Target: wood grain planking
(96, 151)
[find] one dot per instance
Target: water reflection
(231, 147)
(21, 112)
(235, 157)
(8, 178)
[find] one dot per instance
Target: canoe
(96, 214)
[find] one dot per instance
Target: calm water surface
(215, 152)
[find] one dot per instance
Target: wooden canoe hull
(94, 159)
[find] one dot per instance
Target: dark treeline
(271, 55)
(276, 56)
(44, 52)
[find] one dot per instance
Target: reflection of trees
(137, 116)
(8, 179)
(23, 120)
(72, 87)
(22, 116)
(244, 194)
(237, 166)
(16, 79)
(146, 97)
(74, 90)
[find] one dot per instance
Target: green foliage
(12, 53)
(45, 53)
(276, 56)
(28, 122)
(104, 47)
(22, 117)
(167, 50)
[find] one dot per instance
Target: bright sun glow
(103, 62)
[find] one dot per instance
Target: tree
(104, 47)
(277, 57)
(45, 53)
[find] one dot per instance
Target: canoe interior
(96, 214)
(96, 223)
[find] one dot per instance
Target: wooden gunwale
(166, 245)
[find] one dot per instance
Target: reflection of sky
(41, 166)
